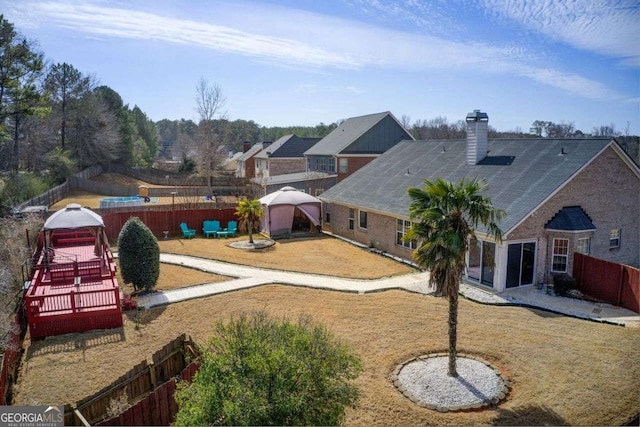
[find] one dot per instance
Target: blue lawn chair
(232, 228)
(211, 227)
(186, 231)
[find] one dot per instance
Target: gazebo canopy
(288, 196)
(73, 216)
(280, 208)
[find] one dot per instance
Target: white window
(584, 244)
(614, 238)
(352, 218)
(560, 255)
(363, 219)
(344, 165)
(402, 227)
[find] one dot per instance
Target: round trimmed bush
(139, 255)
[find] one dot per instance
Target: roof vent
(562, 152)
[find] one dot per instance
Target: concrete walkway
(247, 277)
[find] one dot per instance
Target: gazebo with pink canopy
(284, 209)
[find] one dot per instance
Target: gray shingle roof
(292, 177)
(521, 173)
(288, 146)
(570, 218)
(345, 134)
(255, 148)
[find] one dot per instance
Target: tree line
(56, 120)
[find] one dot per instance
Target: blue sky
(286, 62)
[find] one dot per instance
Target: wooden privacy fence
(166, 220)
(58, 193)
(168, 178)
(616, 284)
(11, 343)
(157, 409)
(137, 384)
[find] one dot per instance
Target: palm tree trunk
(250, 228)
(453, 333)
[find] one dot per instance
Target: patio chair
(211, 227)
(186, 231)
(232, 228)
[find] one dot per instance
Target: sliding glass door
(520, 264)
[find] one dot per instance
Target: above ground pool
(114, 202)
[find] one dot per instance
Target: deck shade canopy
(280, 207)
(73, 216)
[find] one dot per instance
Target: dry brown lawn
(563, 370)
(320, 255)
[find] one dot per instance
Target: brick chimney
(246, 146)
(477, 136)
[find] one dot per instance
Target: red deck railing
(72, 290)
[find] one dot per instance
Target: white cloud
(295, 38)
(607, 27)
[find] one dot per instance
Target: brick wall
(380, 232)
(285, 166)
(609, 193)
(355, 163)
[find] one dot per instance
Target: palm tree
(444, 218)
(249, 210)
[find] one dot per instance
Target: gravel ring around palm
(257, 244)
(424, 381)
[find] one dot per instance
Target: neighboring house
(231, 162)
(284, 156)
(246, 167)
(314, 183)
(561, 196)
(354, 143)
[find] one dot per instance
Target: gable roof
(255, 149)
(521, 173)
(288, 146)
(345, 134)
(570, 218)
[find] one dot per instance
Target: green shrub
(258, 371)
(139, 255)
(22, 186)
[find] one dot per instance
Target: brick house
(284, 156)
(354, 143)
(246, 166)
(561, 196)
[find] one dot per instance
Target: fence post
(620, 283)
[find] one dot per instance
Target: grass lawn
(562, 370)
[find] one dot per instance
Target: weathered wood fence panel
(168, 363)
(159, 408)
(616, 284)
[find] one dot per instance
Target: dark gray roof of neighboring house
(570, 218)
(521, 173)
(288, 146)
(348, 131)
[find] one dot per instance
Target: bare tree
(212, 129)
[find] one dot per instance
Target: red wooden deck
(73, 289)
